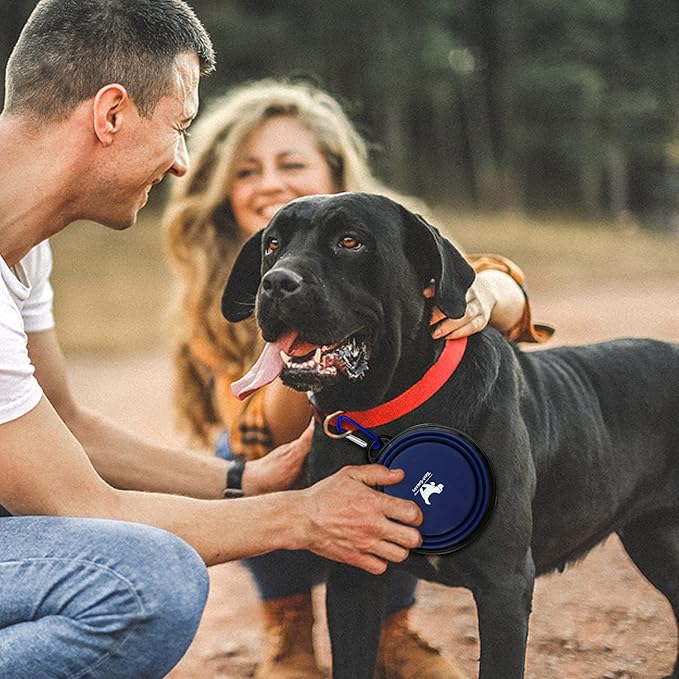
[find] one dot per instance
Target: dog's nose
(280, 283)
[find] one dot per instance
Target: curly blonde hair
(202, 237)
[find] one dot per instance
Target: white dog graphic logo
(430, 488)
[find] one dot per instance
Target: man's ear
(238, 300)
(437, 259)
(111, 105)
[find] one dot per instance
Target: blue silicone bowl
(449, 477)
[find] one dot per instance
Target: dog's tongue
(267, 368)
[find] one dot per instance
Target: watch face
(451, 480)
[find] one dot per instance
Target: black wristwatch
(234, 478)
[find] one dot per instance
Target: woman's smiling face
(279, 161)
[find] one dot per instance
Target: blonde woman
(257, 148)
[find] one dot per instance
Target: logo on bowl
(426, 488)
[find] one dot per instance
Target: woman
(259, 147)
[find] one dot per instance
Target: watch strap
(234, 478)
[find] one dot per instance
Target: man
(99, 94)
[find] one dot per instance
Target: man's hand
(349, 522)
(279, 469)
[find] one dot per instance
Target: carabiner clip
(370, 442)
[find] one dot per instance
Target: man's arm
(44, 470)
(47, 471)
(126, 461)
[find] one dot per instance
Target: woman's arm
(497, 298)
(287, 412)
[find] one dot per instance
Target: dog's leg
(355, 603)
(503, 604)
(652, 542)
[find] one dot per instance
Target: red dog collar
(413, 397)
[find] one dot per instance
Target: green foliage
(579, 10)
(510, 102)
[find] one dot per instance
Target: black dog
(584, 440)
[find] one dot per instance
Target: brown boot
(403, 654)
(288, 651)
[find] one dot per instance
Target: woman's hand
(480, 305)
(280, 469)
(494, 298)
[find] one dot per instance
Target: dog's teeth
(285, 358)
(317, 355)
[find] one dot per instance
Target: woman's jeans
(283, 573)
(95, 598)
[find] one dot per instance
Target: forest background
(533, 105)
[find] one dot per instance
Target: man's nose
(180, 166)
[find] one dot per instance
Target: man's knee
(171, 583)
(175, 581)
(104, 598)
(146, 582)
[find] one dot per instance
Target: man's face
(149, 148)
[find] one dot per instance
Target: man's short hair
(70, 49)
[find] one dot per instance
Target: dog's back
(604, 429)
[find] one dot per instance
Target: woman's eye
(245, 172)
(272, 245)
(350, 243)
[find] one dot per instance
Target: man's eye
(272, 244)
(350, 243)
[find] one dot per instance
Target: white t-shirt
(25, 306)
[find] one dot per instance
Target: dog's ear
(238, 300)
(435, 257)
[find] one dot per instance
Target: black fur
(584, 440)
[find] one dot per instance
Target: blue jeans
(283, 573)
(95, 598)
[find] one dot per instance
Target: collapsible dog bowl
(449, 477)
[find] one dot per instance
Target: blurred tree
(552, 101)
(648, 123)
(13, 15)
(549, 104)
(586, 95)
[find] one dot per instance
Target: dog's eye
(272, 245)
(350, 243)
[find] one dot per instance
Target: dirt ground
(598, 620)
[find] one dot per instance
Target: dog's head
(337, 283)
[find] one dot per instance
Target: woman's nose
(270, 179)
